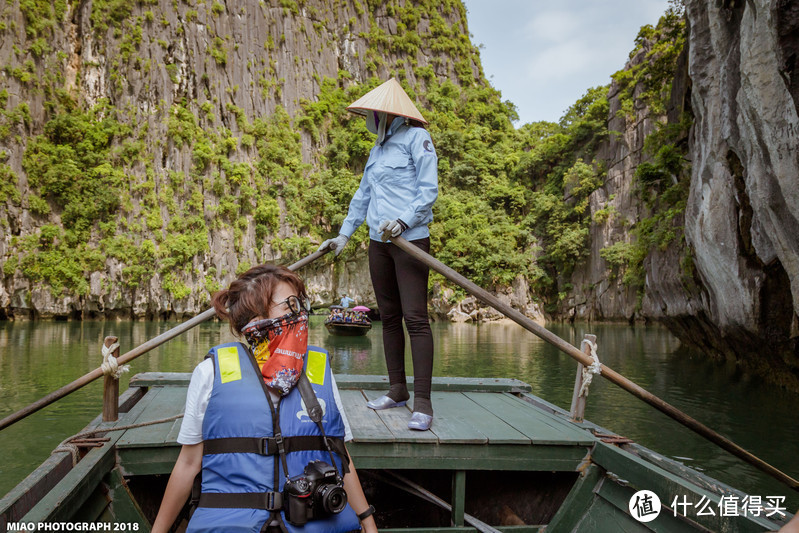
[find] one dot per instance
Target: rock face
(598, 294)
(741, 296)
(226, 63)
(743, 209)
(731, 286)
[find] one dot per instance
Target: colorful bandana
(279, 346)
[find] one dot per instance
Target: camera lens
(334, 499)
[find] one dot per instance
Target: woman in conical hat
(396, 196)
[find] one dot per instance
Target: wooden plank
(566, 427)
(110, 385)
(160, 379)
(80, 483)
(396, 420)
(168, 401)
(30, 490)
(458, 497)
(124, 507)
(22, 498)
(683, 471)
(353, 381)
(452, 420)
(643, 475)
(559, 416)
(147, 461)
(604, 516)
(457, 384)
(524, 419)
(578, 501)
(365, 424)
(171, 438)
(408, 455)
(77, 486)
(482, 421)
(666, 522)
(130, 397)
(94, 507)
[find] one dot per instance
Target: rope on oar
(110, 366)
(68, 446)
(590, 370)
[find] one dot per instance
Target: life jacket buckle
(274, 501)
(268, 446)
(279, 442)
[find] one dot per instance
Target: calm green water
(36, 358)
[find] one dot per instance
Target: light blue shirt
(400, 181)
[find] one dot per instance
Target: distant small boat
(348, 322)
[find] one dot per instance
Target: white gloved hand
(336, 243)
(395, 227)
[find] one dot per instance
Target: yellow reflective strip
(317, 363)
(229, 368)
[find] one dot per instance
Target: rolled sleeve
(197, 396)
(340, 406)
(420, 209)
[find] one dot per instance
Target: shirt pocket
(397, 161)
(395, 169)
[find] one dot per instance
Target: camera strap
(315, 413)
(277, 433)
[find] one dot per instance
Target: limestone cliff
(190, 103)
(150, 150)
(743, 207)
(729, 282)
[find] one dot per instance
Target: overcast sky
(543, 54)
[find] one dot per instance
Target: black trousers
(400, 284)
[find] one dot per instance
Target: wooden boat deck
(559, 475)
(479, 424)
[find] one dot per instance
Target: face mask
(376, 122)
(279, 346)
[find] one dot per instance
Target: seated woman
(254, 427)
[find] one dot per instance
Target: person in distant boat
(264, 423)
(396, 197)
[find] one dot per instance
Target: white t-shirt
(200, 387)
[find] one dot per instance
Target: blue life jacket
(241, 452)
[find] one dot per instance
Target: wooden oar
(131, 355)
(608, 373)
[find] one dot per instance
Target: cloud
(553, 26)
(558, 62)
(543, 56)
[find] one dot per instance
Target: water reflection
(36, 358)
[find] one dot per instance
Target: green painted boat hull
(495, 452)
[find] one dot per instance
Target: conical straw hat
(390, 98)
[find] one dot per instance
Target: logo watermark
(645, 506)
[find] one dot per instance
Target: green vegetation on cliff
(662, 182)
(513, 202)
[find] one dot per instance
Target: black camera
(316, 493)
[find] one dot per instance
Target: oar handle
(607, 372)
(133, 354)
